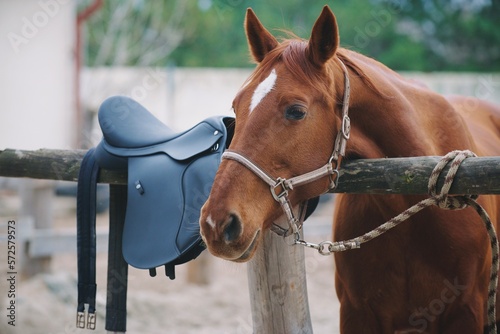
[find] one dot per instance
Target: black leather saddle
(170, 175)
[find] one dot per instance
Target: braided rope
(443, 201)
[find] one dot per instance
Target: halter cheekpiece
(279, 186)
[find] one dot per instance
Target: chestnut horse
(429, 274)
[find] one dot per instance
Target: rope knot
(451, 202)
(460, 202)
(442, 199)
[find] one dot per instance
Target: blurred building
(37, 81)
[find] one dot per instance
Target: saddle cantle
(169, 178)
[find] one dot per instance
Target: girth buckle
(80, 320)
(91, 321)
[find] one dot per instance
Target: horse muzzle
(228, 238)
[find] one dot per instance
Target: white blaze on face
(263, 89)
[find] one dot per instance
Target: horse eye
(295, 112)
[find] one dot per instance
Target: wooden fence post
(37, 210)
(278, 289)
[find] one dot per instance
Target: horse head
(287, 115)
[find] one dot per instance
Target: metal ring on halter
(334, 182)
(296, 238)
(322, 245)
(346, 127)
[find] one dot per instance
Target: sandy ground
(46, 303)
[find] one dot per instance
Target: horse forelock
(292, 54)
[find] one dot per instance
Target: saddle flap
(153, 215)
(196, 140)
(163, 206)
(203, 137)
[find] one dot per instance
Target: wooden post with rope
(278, 289)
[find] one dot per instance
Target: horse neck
(396, 117)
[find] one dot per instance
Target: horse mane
(348, 61)
(292, 52)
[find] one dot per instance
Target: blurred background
(61, 58)
(185, 60)
(453, 35)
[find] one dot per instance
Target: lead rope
(443, 201)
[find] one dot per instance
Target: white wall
(37, 108)
(179, 97)
(484, 86)
(182, 97)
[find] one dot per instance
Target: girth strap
(86, 240)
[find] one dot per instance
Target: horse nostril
(233, 228)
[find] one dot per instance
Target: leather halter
(280, 186)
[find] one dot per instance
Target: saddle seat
(131, 130)
(127, 124)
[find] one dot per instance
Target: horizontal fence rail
(479, 175)
(62, 165)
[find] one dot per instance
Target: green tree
(418, 35)
(459, 35)
(135, 32)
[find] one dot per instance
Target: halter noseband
(280, 186)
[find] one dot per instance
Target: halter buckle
(346, 127)
(280, 182)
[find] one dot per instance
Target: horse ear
(324, 39)
(259, 39)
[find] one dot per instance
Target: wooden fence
(479, 175)
(277, 280)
